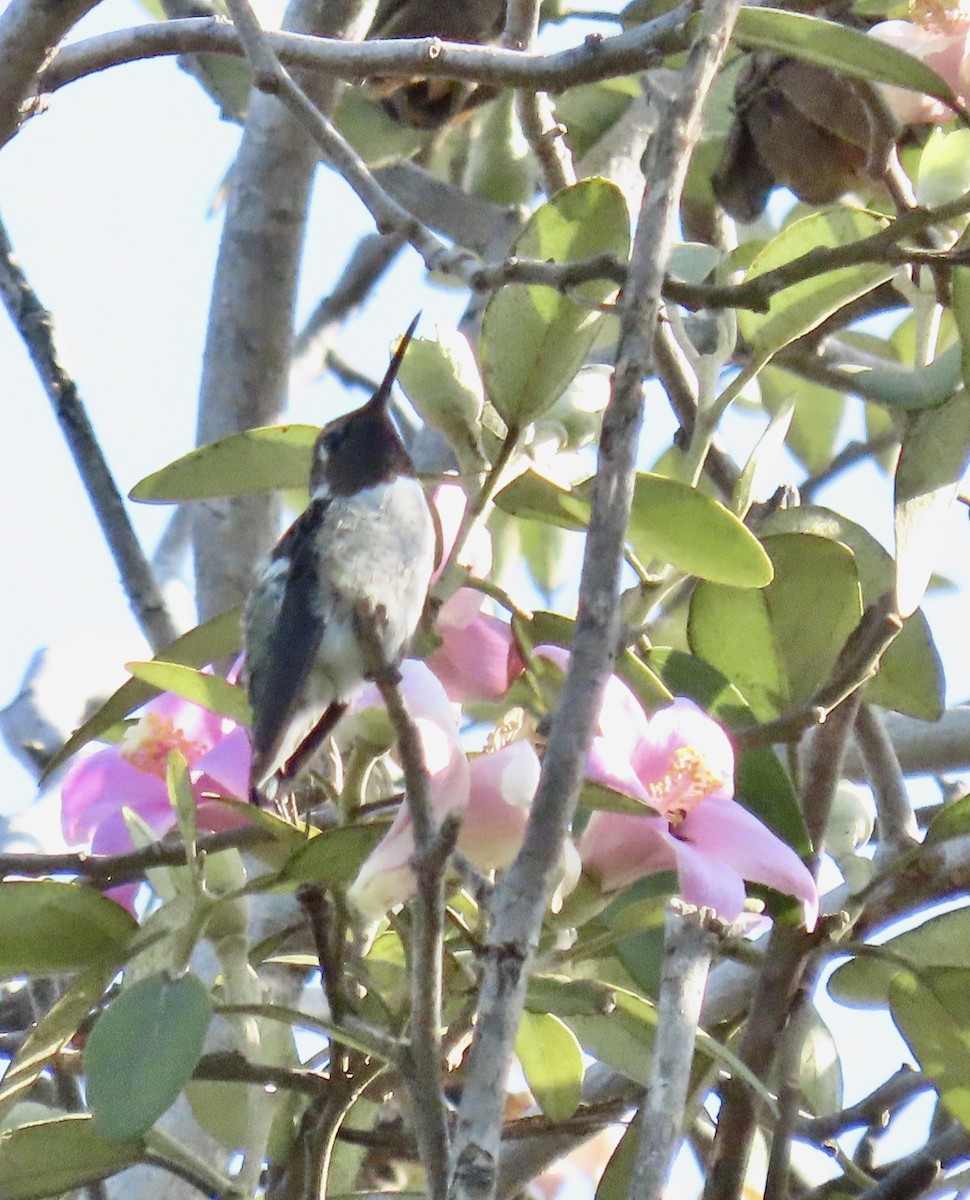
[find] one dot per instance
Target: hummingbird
(365, 540)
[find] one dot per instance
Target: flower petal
(683, 725)
(472, 661)
(227, 765)
(96, 787)
(707, 882)
(503, 785)
(385, 879)
(726, 831)
(618, 848)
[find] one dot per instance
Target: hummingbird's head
(363, 448)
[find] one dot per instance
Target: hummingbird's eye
(333, 437)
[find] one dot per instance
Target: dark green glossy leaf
(779, 644)
(534, 339)
(48, 927)
(552, 1063)
(269, 459)
(830, 44)
(333, 858)
(536, 498)
(202, 688)
(214, 639)
(910, 678)
(934, 456)
(143, 1050)
(49, 1158)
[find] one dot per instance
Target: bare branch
(36, 328)
(688, 945)
(521, 898)
(249, 339)
(432, 847)
(29, 33)
(594, 59)
(898, 831)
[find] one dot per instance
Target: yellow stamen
(148, 743)
(687, 779)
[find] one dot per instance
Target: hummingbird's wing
(283, 626)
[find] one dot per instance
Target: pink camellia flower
(680, 765)
(494, 791)
(132, 775)
(385, 878)
(472, 661)
(940, 37)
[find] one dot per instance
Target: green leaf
(48, 927)
(817, 417)
(938, 1033)
(624, 1039)
(534, 339)
(258, 460)
(552, 1063)
(779, 645)
(49, 1158)
(952, 821)
(143, 1050)
(51, 1034)
(214, 639)
(960, 295)
(669, 520)
(614, 1183)
(567, 997)
(679, 525)
(334, 857)
(372, 132)
(440, 377)
(208, 691)
(830, 44)
(937, 944)
(535, 498)
(910, 678)
(798, 309)
(934, 456)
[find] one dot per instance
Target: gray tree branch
(521, 898)
(248, 344)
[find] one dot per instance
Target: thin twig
(851, 454)
(35, 326)
(672, 371)
(432, 847)
(873, 1111)
(520, 900)
(688, 946)
(104, 871)
(536, 116)
(898, 831)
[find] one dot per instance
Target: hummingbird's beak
(380, 397)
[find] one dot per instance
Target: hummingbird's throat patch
(148, 743)
(686, 779)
